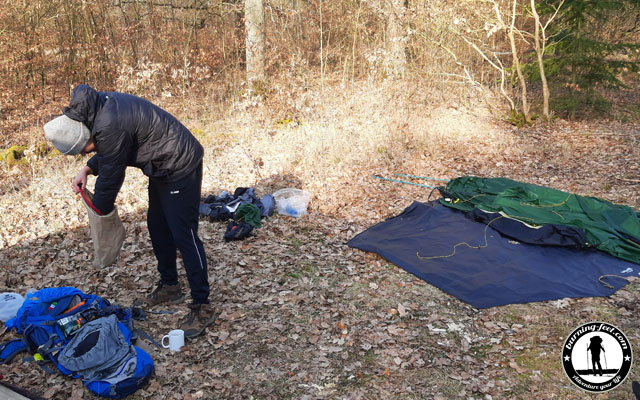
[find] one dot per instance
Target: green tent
(612, 228)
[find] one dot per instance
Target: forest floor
(304, 316)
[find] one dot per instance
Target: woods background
(197, 48)
(321, 95)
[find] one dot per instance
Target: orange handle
(74, 307)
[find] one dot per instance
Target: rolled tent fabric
(107, 233)
(609, 227)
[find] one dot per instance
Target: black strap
(46, 347)
(146, 336)
(41, 364)
(161, 312)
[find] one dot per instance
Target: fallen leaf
(402, 311)
(515, 366)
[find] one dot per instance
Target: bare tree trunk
(255, 38)
(541, 43)
(396, 58)
(516, 63)
(321, 49)
(539, 54)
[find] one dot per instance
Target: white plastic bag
(292, 202)
(10, 303)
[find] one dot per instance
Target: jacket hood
(84, 105)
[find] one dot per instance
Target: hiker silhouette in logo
(595, 346)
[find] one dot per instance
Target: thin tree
(490, 55)
(255, 39)
(540, 42)
(511, 34)
(396, 58)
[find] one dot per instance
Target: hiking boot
(200, 316)
(164, 293)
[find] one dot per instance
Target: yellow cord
(632, 242)
(456, 201)
(486, 244)
(608, 286)
(522, 203)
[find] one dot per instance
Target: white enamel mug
(175, 338)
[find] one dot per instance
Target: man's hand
(80, 181)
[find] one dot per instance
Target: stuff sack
(52, 319)
(102, 355)
(107, 233)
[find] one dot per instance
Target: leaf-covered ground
(302, 315)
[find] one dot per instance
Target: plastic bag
(292, 202)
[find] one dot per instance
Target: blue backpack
(83, 336)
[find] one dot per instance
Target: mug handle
(162, 341)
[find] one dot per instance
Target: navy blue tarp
(427, 240)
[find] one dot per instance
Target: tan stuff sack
(107, 233)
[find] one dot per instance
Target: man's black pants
(173, 224)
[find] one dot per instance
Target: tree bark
(541, 44)
(396, 58)
(539, 54)
(255, 38)
(516, 63)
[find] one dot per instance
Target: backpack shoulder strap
(11, 348)
(41, 362)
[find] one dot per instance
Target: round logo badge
(597, 357)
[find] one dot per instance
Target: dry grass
(327, 139)
(331, 139)
(324, 141)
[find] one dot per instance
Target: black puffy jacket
(130, 131)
